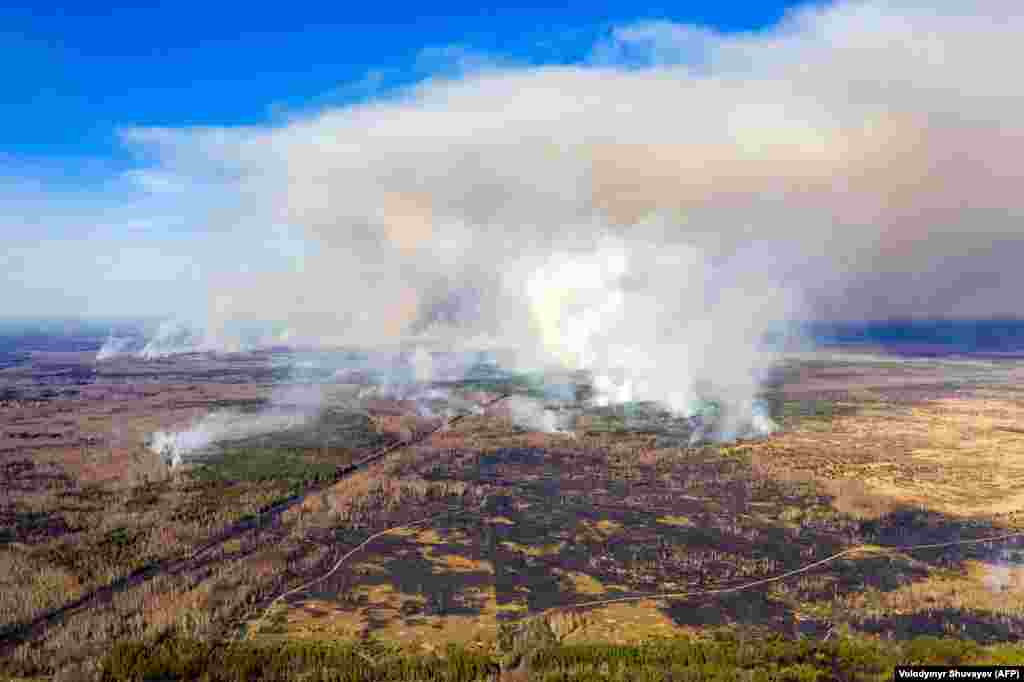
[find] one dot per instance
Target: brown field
(101, 541)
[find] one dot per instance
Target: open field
(518, 531)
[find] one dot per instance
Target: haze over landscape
(861, 155)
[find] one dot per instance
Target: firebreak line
(788, 574)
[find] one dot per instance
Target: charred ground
(529, 527)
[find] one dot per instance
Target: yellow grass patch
(676, 521)
(583, 583)
(460, 564)
(962, 456)
(626, 623)
(535, 550)
(317, 619)
(233, 546)
(599, 531)
(429, 537)
(511, 607)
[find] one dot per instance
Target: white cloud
(801, 170)
(656, 44)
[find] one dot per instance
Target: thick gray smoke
(647, 215)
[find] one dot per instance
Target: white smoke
(1003, 571)
(642, 214)
(179, 337)
(731, 422)
(290, 406)
(173, 337)
(998, 577)
(413, 378)
(423, 365)
(176, 336)
(502, 237)
(177, 447)
(534, 415)
(113, 347)
(647, 215)
(611, 313)
(400, 378)
(608, 391)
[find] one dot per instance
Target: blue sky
(83, 72)
(215, 160)
(84, 69)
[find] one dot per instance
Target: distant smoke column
(422, 365)
(113, 347)
(172, 337)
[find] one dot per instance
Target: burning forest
(646, 350)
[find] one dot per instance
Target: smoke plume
(175, 447)
(648, 215)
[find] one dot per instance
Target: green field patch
(264, 464)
